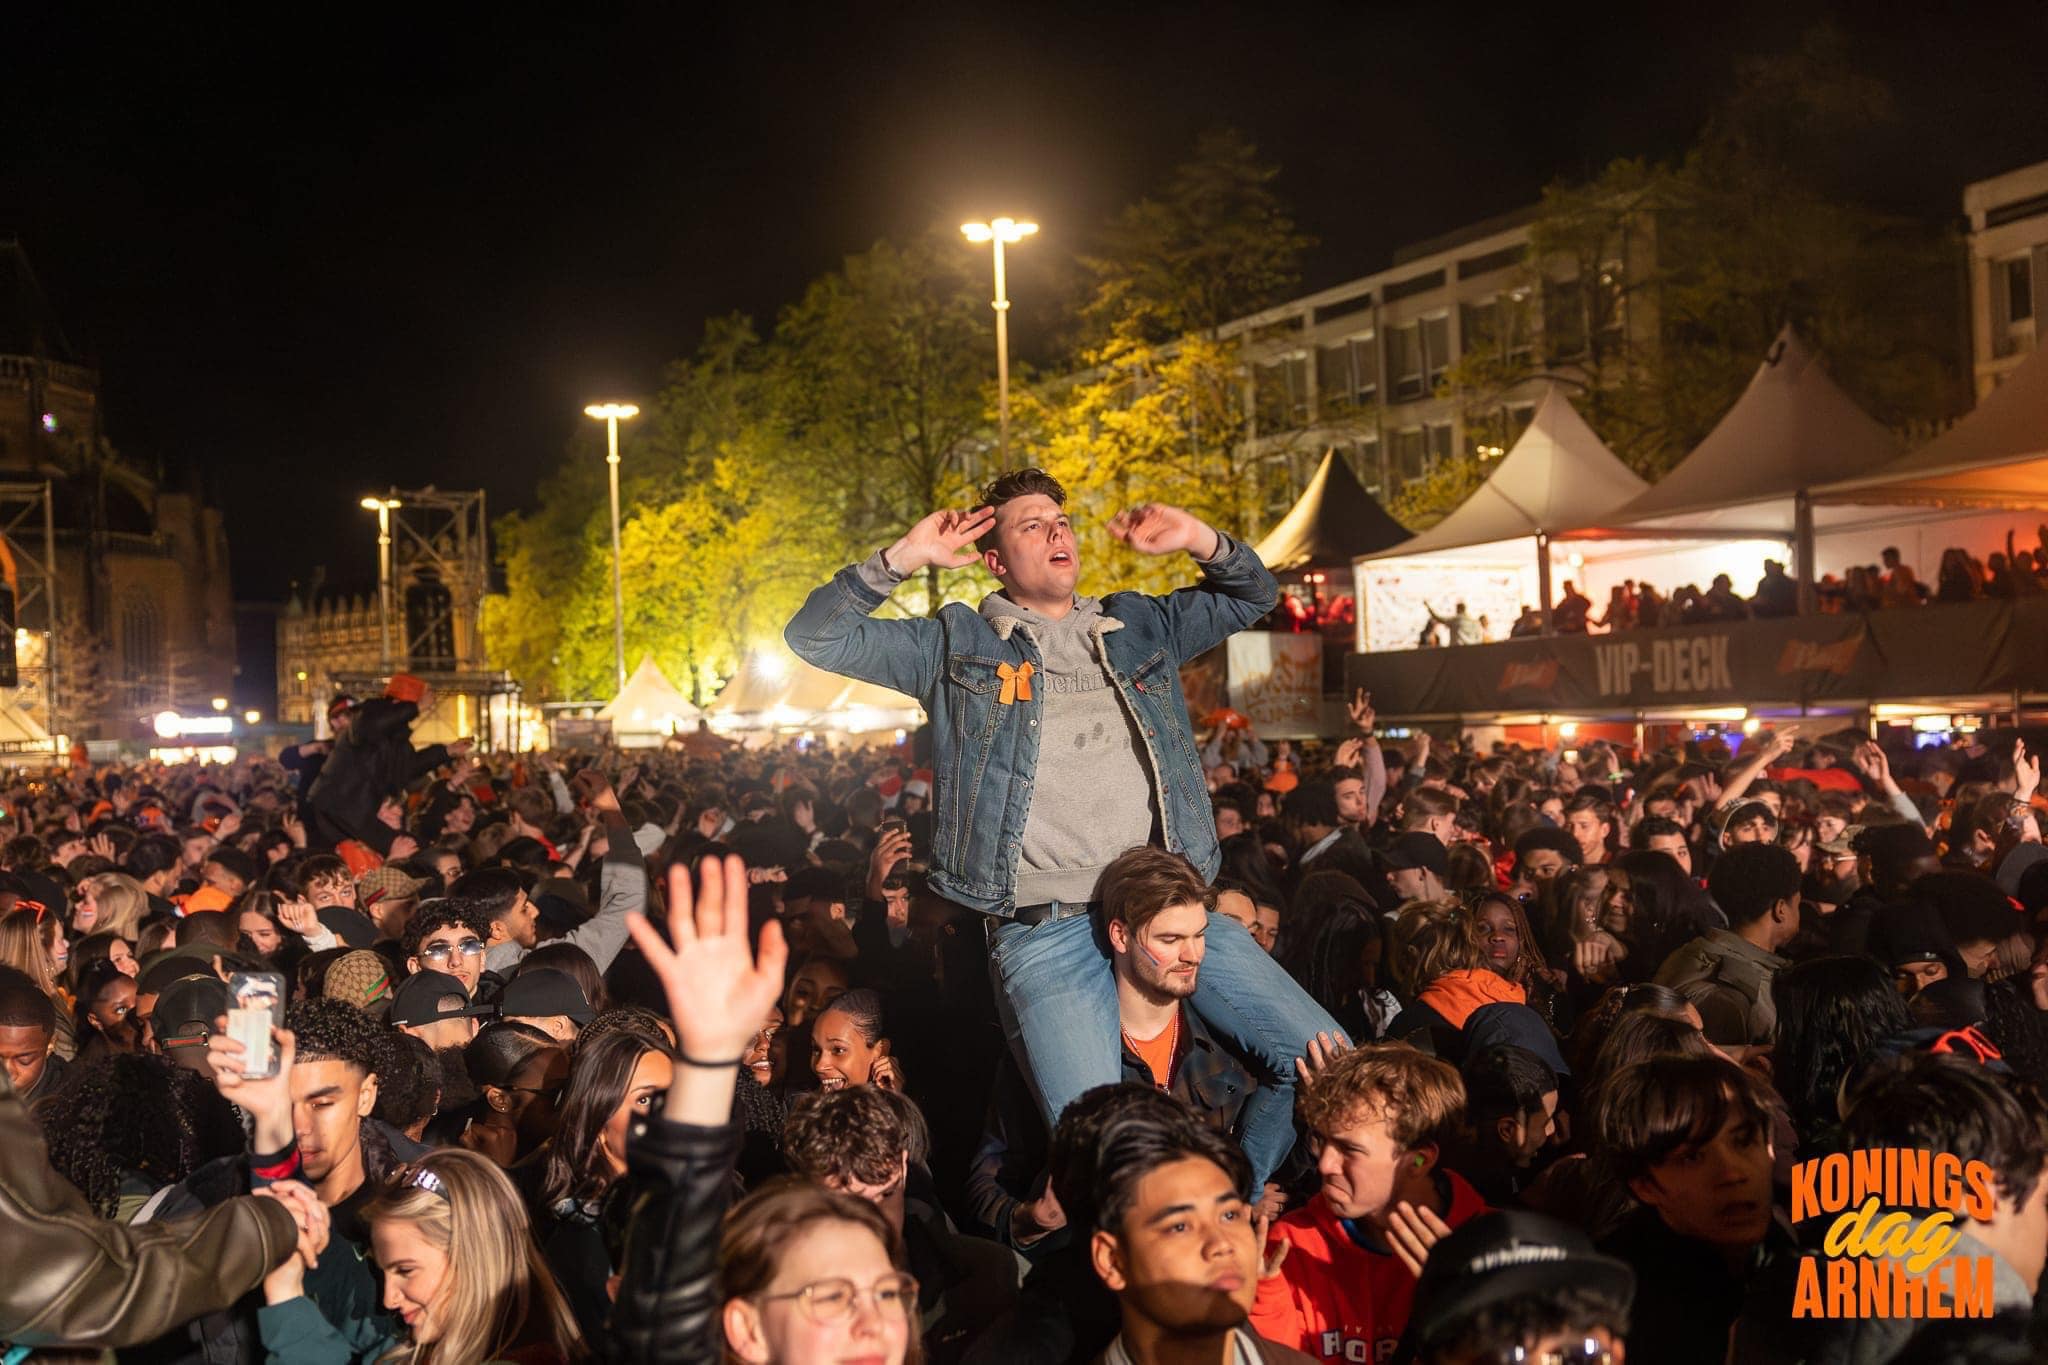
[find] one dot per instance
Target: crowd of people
(1060, 1033)
(1633, 605)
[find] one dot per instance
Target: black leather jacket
(668, 1303)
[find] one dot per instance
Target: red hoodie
(1333, 1298)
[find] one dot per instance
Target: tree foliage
(1686, 272)
(1217, 242)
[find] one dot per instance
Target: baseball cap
(1499, 1256)
(542, 992)
(1419, 848)
(429, 997)
(561, 903)
(186, 1010)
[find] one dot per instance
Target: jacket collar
(1004, 616)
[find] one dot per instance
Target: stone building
(2008, 262)
(320, 637)
(144, 615)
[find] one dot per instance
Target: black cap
(561, 903)
(543, 992)
(1419, 848)
(186, 1010)
(424, 998)
(1500, 1256)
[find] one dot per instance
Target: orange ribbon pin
(1016, 682)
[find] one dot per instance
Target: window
(1479, 325)
(1564, 320)
(1404, 362)
(1364, 458)
(1436, 350)
(1276, 487)
(1282, 392)
(1517, 327)
(1410, 456)
(1607, 305)
(1437, 440)
(2012, 306)
(1347, 374)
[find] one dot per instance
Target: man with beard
(1155, 915)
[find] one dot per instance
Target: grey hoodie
(1092, 795)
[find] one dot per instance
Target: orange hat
(405, 687)
(1283, 781)
(207, 897)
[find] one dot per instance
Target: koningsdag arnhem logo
(1891, 1250)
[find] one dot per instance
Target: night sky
(316, 262)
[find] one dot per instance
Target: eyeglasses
(441, 952)
(895, 1297)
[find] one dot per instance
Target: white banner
(1276, 680)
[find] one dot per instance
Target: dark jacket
(667, 1306)
(74, 1278)
(1011, 1161)
(375, 759)
(1686, 1299)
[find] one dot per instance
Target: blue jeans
(1057, 998)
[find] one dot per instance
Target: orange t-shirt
(1157, 1053)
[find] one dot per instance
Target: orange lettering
(1983, 1202)
(1948, 1170)
(1805, 1197)
(1806, 1295)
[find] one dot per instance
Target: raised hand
(268, 1102)
(945, 538)
(719, 989)
(1323, 1049)
(1362, 714)
(298, 916)
(892, 848)
(2026, 769)
(1411, 1232)
(1156, 528)
(596, 791)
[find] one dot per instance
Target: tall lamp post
(383, 507)
(1000, 232)
(611, 414)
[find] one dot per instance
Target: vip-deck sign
(1970, 648)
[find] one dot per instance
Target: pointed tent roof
(1792, 429)
(1557, 476)
(1997, 456)
(1333, 522)
(647, 701)
(768, 681)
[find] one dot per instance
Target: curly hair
(410, 1091)
(1422, 1098)
(132, 1115)
(860, 1133)
(440, 914)
(1830, 1011)
(333, 1030)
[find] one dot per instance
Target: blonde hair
(1430, 938)
(123, 904)
(24, 945)
(499, 1293)
(1422, 1098)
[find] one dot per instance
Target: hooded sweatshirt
(1092, 796)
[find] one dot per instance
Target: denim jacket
(985, 750)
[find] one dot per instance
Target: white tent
(1996, 457)
(773, 691)
(1744, 494)
(1496, 551)
(1791, 430)
(648, 708)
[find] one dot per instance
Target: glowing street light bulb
(611, 414)
(1001, 231)
(220, 703)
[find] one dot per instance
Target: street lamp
(1001, 231)
(383, 507)
(611, 414)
